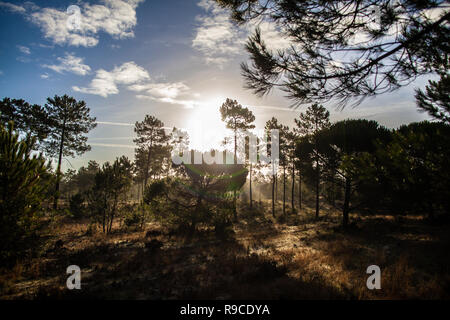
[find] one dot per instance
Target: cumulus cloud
(81, 28)
(105, 82)
(137, 79)
(70, 63)
(24, 49)
(217, 38)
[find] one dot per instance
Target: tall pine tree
(68, 123)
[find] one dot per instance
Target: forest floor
(301, 258)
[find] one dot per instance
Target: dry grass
(299, 259)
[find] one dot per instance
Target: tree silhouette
(200, 195)
(343, 50)
(273, 124)
(309, 124)
(111, 185)
(412, 169)
(23, 186)
(347, 143)
(151, 137)
(236, 118)
(68, 123)
(28, 119)
(436, 99)
(291, 140)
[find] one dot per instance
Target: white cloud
(166, 92)
(113, 145)
(217, 38)
(70, 63)
(23, 59)
(220, 40)
(114, 17)
(116, 123)
(105, 82)
(162, 90)
(273, 36)
(188, 104)
(24, 49)
(45, 76)
(137, 79)
(12, 7)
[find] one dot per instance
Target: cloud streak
(24, 50)
(70, 63)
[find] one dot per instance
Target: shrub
(23, 183)
(133, 216)
(76, 205)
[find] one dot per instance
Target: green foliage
(152, 148)
(436, 99)
(235, 116)
(414, 168)
(133, 217)
(27, 118)
(68, 121)
(110, 189)
(23, 183)
(342, 50)
(310, 124)
(76, 205)
(344, 149)
(201, 197)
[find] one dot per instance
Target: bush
(175, 206)
(23, 184)
(76, 205)
(133, 216)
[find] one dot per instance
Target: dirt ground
(301, 258)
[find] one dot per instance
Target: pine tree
(309, 124)
(27, 118)
(238, 119)
(23, 184)
(436, 99)
(68, 123)
(343, 50)
(151, 138)
(273, 124)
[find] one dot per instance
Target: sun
(205, 128)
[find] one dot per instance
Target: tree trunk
(113, 213)
(147, 165)
(317, 189)
(273, 191)
(333, 193)
(276, 187)
(58, 170)
(293, 189)
(251, 198)
(346, 202)
(235, 162)
(284, 190)
(299, 191)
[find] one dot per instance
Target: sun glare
(205, 127)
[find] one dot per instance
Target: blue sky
(177, 60)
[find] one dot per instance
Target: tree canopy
(343, 50)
